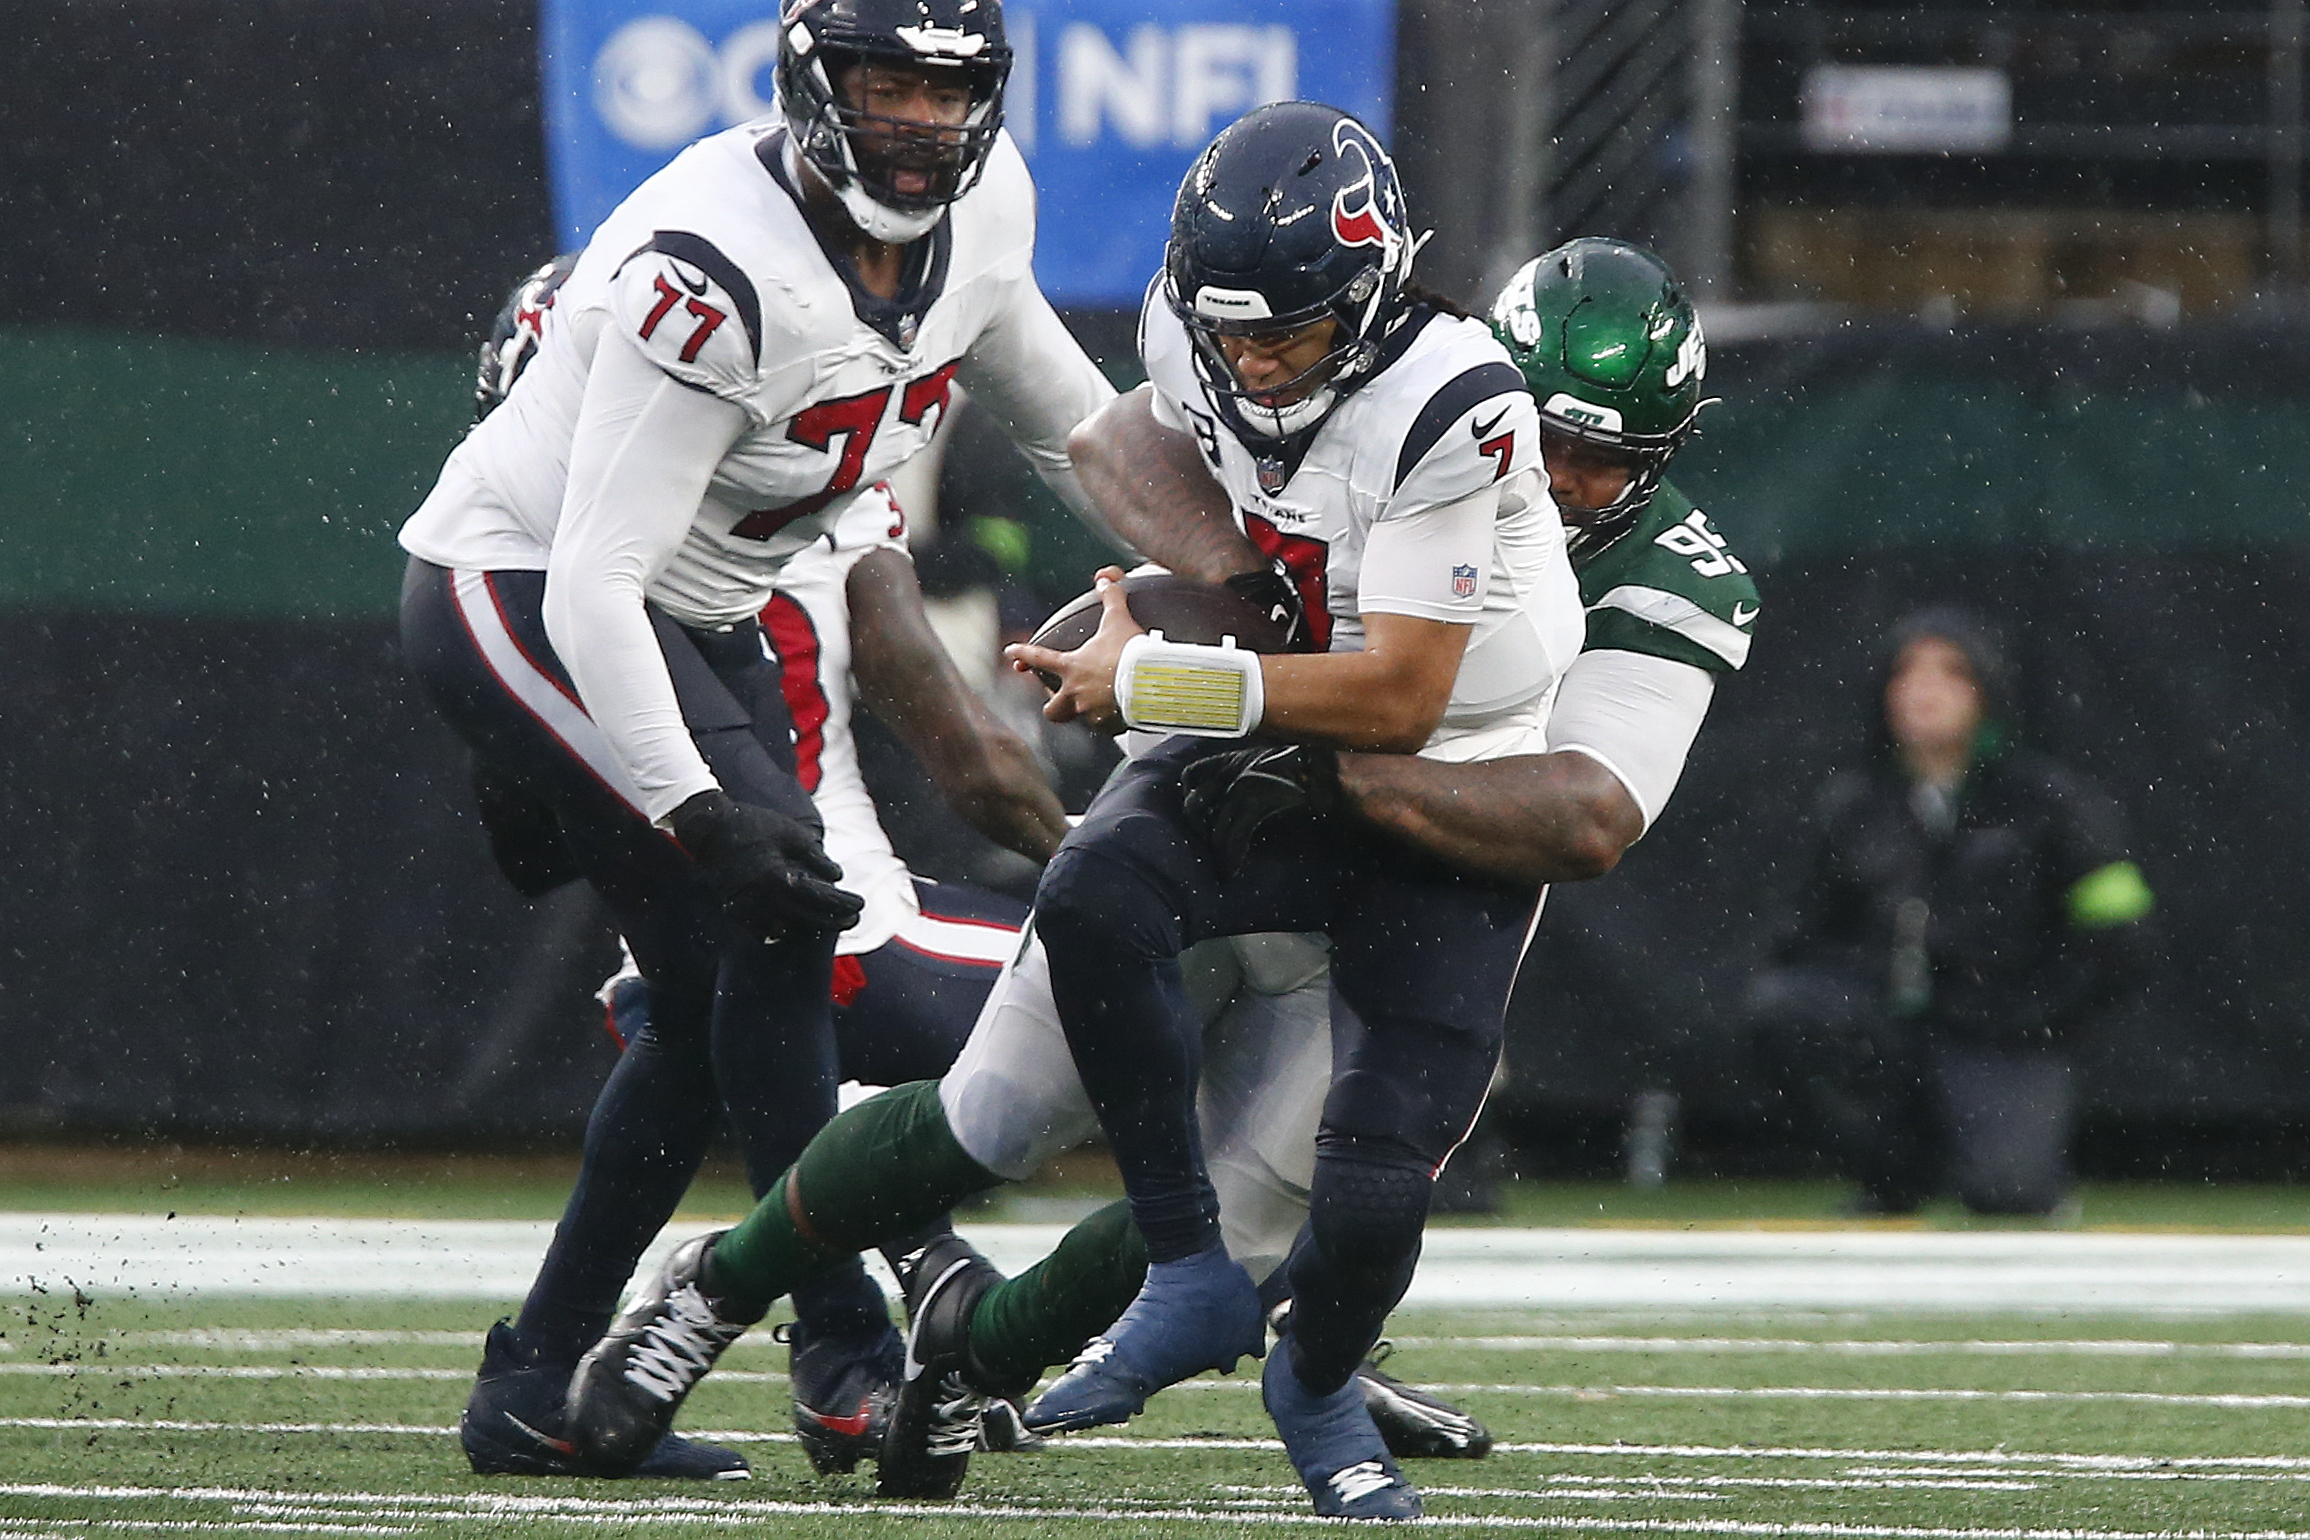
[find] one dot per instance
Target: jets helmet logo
(1356, 216)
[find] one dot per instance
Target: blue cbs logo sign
(1109, 101)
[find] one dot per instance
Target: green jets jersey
(1669, 587)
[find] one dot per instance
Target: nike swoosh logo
(1740, 619)
(1484, 429)
(558, 1445)
(683, 273)
(855, 1426)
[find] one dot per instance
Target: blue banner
(1109, 100)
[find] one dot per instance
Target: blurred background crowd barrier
(2005, 307)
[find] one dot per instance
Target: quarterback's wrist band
(1182, 687)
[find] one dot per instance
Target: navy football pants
(734, 1022)
(1423, 957)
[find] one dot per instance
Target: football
(1183, 609)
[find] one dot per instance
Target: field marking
(112, 1255)
(106, 1369)
(1869, 1347)
(2233, 1401)
(289, 1339)
(2227, 1400)
(1937, 1465)
(276, 1512)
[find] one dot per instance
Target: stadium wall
(249, 248)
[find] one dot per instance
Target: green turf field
(312, 1416)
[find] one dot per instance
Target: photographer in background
(1968, 908)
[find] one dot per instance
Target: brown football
(1183, 609)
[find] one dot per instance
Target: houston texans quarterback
(746, 346)
(1611, 349)
(1386, 451)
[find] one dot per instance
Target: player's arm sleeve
(645, 447)
(984, 770)
(1028, 370)
(1636, 715)
(1163, 353)
(1429, 554)
(1434, 564)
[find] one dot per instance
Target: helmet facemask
(863, 155)
(1317, 388)
(1292, 216)
(1650, 453)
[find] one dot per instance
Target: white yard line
(261, 1511)
(1862, 1467)
(1867, 1347)
(1723, 1271)
(245, 1340)
(113, 1369)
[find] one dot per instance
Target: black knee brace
(1353, 1263)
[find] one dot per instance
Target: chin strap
(1164, 686)
(882, 222)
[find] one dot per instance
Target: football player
(1609, 346)
(745, 347)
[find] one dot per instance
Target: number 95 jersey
(711, 271)
(1382, 508)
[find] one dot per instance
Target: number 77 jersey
(711, 271)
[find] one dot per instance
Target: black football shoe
(512, 1425)
(844, 1385)
(942, 1393)
(1417, 1424)
(1003, 1429)
(627, 1388)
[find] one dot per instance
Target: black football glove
(1274, 591)
(1231, 798)
(771, 873)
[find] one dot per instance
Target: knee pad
(1089, 904)
(1369, 1203)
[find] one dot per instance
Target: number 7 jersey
(711, 270)
(1362, 512)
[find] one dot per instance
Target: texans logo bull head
(1357, 217)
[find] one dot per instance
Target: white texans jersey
(808, 623)
(1352, 514)
(710, 268)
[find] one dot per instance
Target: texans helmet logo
(1356, 216)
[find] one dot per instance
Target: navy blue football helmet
(856, 151)
(1293, 214)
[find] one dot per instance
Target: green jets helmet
(1614, 357)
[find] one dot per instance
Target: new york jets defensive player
(745, 347)
(1603, 328)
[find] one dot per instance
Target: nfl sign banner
(1109, 100)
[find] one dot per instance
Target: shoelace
(1361, 1480)
(679, 1345)
(955, 1417)
(1095, 1352)
(1457, 1426)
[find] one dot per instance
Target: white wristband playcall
(1182, 687)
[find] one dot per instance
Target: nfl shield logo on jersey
(1272, 475)
(1463, 582)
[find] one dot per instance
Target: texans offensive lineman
(747, 345)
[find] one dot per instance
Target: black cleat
(512, 1425)
(1003, 1429)
(1416, 1424)
(627, 1388)
(843, 1389)
(942, 1394)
